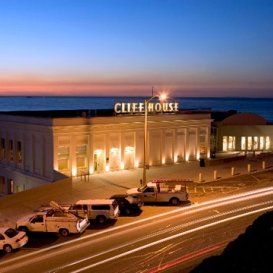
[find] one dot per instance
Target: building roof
(244, 119)
(61, 113)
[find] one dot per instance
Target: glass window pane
(249, 143)
(225, 143)
(267, 143)
(243, 143)
(262, 142)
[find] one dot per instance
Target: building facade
(42, 147)
(243, 132)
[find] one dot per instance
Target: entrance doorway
(114, 159)
(129, 158)
(99, 161)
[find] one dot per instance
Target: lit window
(63, 164)
(81, 162)
(262, 142)
(129, 150)
(228, 143)
(114, 151)
(231, 143)
(255, 143)
(63, 158)
(267, 143)
(63, 151)
(225, 143)
(249, 143)
(243, 143)
(81, 150)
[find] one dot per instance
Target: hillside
(251, 252)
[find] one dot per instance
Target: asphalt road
(165, 240)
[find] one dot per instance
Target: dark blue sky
(116, 47)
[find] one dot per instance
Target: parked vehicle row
(75, 218)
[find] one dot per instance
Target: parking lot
(218, 179)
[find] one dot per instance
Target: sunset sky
(124, 47)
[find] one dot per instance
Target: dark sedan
(128, 204)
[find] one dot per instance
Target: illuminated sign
(132, 108)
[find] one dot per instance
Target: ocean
(260, 106)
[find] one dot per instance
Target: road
(160, 243)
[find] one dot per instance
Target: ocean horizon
(262, 106)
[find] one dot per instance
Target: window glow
(129, 150)
(74, 171)
(255, 143)
(249, 143)
(228, 143)
(98, 152)
(231, 143)
(267, 143)
(114, 151)
(243, 143)
(224, 143)
(262, 142)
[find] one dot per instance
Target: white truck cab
(52, 220)
(161, 191)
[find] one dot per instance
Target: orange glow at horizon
(38, 86)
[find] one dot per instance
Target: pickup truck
(52, 220)
(159, 192)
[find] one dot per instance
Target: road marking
(168, 239)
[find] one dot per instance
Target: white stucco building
(43, 147)
(243, 132)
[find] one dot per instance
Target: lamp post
(161, 97)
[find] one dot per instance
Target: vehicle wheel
(64, 232)
(101, 219)
(7, 248)
(25, 229)
(174, 201)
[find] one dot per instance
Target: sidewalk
(105, 184)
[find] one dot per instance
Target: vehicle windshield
(11, 232)
(115, 204)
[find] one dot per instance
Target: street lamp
(161, 97)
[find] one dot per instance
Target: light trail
(166, 231)
(187, 210)
(188, 257)
(168, 239)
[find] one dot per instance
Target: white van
(100, 210)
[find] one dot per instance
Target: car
(128, 204)
(11, 238)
